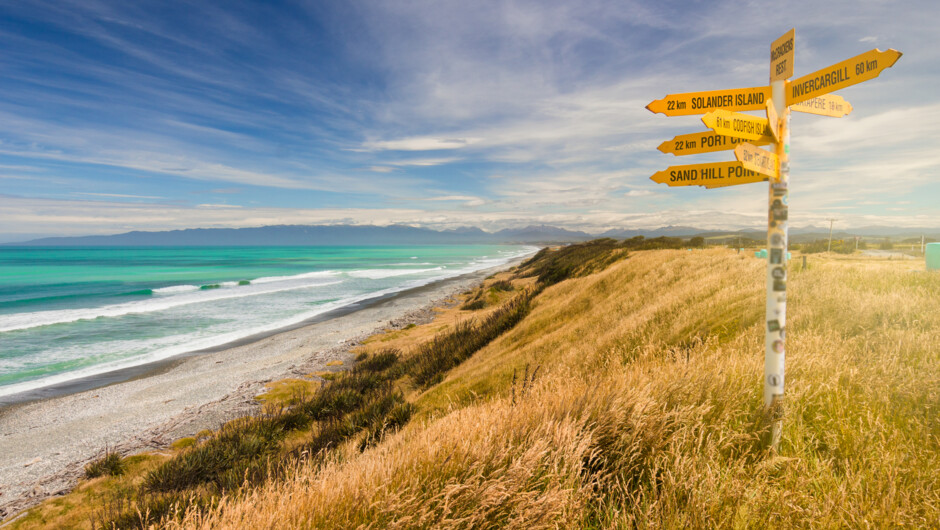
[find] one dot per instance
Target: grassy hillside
(631, 397)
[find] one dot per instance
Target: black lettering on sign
(781, 50)
(822, 81)
(683, 175)
(753, 98)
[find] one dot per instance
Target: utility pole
(830, 235)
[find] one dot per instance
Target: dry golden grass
(409, 338)
(83, 506)
(646, 412)
(287, 392)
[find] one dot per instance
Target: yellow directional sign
(781, 57)
(701, 102)
(712, 175)
(758, 160)
(736, 124)
(756, 177)
(840, 75)
(773, 121)
(828, 105)
(705, 142)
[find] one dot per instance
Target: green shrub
(111, 464)
(379, 362)
(502, 286)
(451, 348)
(573, 261)
(473, 305)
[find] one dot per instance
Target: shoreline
(47, 441)
(147, 369)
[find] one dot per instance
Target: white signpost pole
(777, 228)
(781, 67)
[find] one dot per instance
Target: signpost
(781, 57)
(736, 125)
(702, 102)
(705, 142)
(827, 105)
(713, 175)
(773, 120)
(758, 160)
(744, 132)
(840, 75)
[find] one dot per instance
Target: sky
(119, 116)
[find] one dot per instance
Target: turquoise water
(67, 313)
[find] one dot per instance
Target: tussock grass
(646, 412)
(449, 349)
(553, 266)
(474, 304)
(502, 286)
(110, 464)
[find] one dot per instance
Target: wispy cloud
(118, 195)
(420, 144)
(423, 162)
(467, 200)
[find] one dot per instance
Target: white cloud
(420, 144)
(423, 162)
(119, 195)
(468, 200)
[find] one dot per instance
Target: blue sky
(120, 116)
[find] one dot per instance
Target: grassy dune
(645, 411)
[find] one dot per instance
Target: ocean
(69, 313)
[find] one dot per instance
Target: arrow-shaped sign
(827, 105)
(701, 102)
(705, 142)
(712, 175)
(759, 160)
(840, 75)
(773, 121)
(736, 124)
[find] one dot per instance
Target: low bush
(502, 286)
(451, 348)
(554, 266)
(111, 464)
(473, 305)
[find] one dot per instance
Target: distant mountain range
(296, 235)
